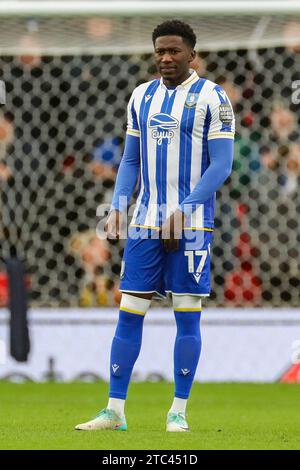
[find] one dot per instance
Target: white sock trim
(131, 302)
(178, 405)
(117, 405)
(186, 301)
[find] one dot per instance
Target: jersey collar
(186, 84)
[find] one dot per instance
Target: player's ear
(192, 55)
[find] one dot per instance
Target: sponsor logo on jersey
(162, 125)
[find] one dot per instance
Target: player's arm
(220, 149)
(221, 158)
(127, 176)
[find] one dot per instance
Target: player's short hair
(175, 28)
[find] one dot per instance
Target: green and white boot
(105, 419)
(176, 422)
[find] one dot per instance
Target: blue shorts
(147, 267)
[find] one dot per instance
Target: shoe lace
(179, 417)
(105, 412)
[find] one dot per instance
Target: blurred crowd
(61, 140)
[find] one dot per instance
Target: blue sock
(125, 349)
(187, 351)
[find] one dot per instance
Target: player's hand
(113, 225)
(171, 230)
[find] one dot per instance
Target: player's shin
(187, 349)
(125, 348)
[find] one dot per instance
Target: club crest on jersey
(162, 125)
(191, 100)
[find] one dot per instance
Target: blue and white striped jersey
(174, 127)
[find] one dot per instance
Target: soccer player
(179, 144)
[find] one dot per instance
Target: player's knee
(136, 305)
(189, 302)
(129, 327)
(131, 318)
(127, 319)
(188, 324)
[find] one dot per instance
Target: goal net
(69, 69)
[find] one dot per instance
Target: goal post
(76, 27)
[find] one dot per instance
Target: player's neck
(178, 81)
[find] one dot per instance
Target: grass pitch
(221, 416)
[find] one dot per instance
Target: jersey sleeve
(221, 126)
(132, 121)
(222, 122)
(129, 168)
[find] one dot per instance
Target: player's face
(173, 56)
